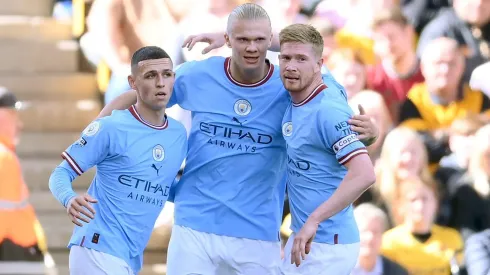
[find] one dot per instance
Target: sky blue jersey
(233, 183)
(136, 165)
(319, 144)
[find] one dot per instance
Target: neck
(447, 95)
(368, 263)
(405, 64)
(419, 228)
(248, 76)
(154, 117)
(301, 95)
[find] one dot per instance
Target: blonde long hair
(387, 183)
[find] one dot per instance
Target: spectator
(21, 237)
(470, 192)
(421, 12)
(468, 22)
(118, 28)
(348, 68)
(336, 12)
(477, 253)
(403, 156)
(375, 107)
(372, 223)
(461, 137)
(432, 106)
(418, 244)
(399, 69)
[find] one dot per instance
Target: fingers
(89, 199)
(359, 130)
(209, 48)
(74, 217)
(186, 42)
(361, 109)
(298, 252)
(308, 248)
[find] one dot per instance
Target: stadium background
(54, 57)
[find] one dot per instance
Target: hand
(302, 241)
(215, 40)
(79, 205)
(365, 126)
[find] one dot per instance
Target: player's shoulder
(176, 125)
(198, 66)
(116, 120)
(333, 102)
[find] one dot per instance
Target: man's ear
(131, 82)
(227, 40)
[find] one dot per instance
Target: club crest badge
(287, 129)
(158, 153)
(242, 107)
(92, 129)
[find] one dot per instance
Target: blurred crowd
(418, 67)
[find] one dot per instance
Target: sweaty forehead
(158, 64)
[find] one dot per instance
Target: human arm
(364, 126)
(91, 149)
(217, 40)
(360, 176)
(122, 102)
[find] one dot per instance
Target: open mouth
(251, 58)
(291, 78)
(160, 94)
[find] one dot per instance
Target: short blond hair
(302, 33)
(247, 11)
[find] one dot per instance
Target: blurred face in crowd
(249, 41)
(419, 206)
(153, 81)
(475, 12)
(482, 141)
(10, 126)
(371, 232)
(443, 66)
(329, 45)
(352, 75)
(299, 64)
(392, 40)
(407, 159)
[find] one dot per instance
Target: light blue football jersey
(233, 182)
(319, 143)
(136, 165)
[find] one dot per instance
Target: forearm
(121, 102)
(60, 183)
(351, 187)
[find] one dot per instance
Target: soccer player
(138, 152)
(228, 203)
(328, 166)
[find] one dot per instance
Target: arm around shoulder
(122, 102)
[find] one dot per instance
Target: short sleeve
(91, 148)
(336, 133)
(179, 95)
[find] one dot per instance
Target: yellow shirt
(420, 113)
(429, 258)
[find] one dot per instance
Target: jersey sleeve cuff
(343, 160)
(73, 164)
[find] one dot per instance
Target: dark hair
(147, 53)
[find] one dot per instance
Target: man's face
(153, 81)
(249, 41)
(371, 233)
(443, 70)
(299, 65)
(392, 40)
(475, 12)
(10, 125)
